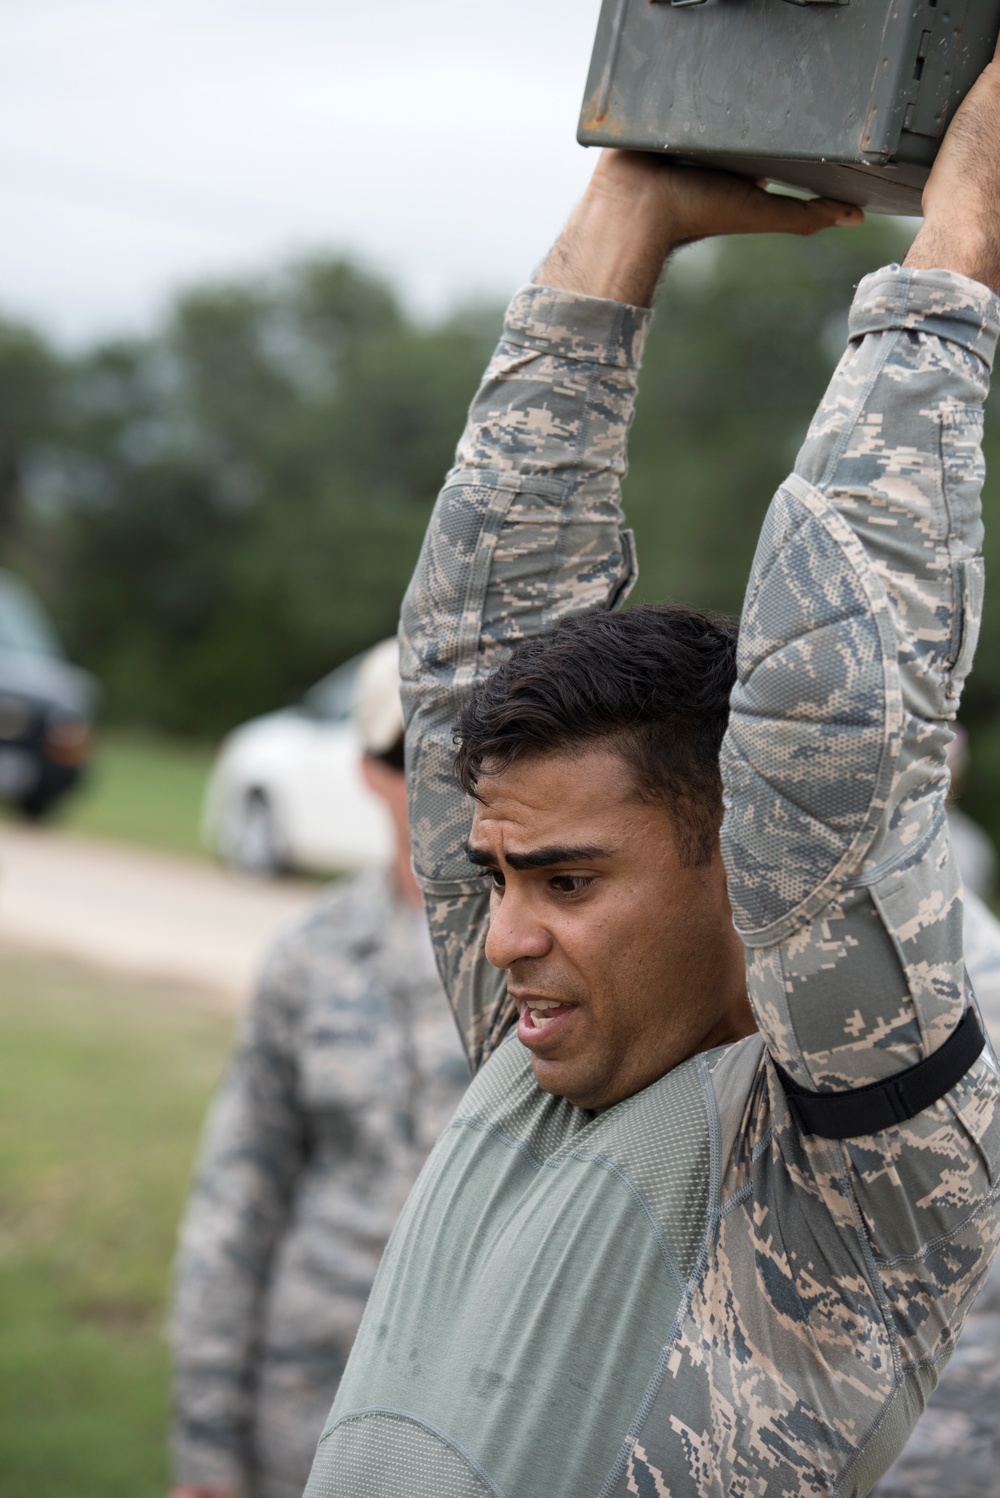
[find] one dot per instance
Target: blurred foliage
(221, 513)
(103, 1083)
(224, 512)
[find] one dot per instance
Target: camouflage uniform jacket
(347, 1069)
(684, 1294)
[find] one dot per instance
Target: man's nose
(515, 932)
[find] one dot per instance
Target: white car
(286, 790)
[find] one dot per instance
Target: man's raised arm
(859, 626)
(860, 621)
(528, 527)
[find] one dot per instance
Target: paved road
(142, 912)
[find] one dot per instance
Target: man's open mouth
(541, 1018)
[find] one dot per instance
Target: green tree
(243, 496)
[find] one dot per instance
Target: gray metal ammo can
(846, 99)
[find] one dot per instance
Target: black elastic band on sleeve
(867, 1110)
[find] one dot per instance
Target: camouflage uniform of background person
(346, 1071)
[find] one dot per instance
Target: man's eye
(569, 884)
(496, 878)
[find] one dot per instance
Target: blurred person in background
(347, 1068)
(954, 1451)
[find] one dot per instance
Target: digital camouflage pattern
(954, 1452)
(347, 1069)
(801, 1335)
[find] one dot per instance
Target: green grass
(143, 789)
(103, 1085)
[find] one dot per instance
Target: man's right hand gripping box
(847, 98)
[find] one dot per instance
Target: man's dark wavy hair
(652, 682)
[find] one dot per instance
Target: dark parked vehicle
(46, 706)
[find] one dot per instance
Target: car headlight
(67, 740)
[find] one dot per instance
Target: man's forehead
(554, 799)
(549, 778)
(556, 773)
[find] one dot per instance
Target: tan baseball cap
(378, 713)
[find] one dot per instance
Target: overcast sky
(147, 144)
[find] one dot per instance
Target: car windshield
(332, 699)
(23, 626)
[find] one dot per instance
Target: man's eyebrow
(539, 858)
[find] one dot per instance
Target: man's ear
(367, 774)
(381, 779)
(374, 774)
